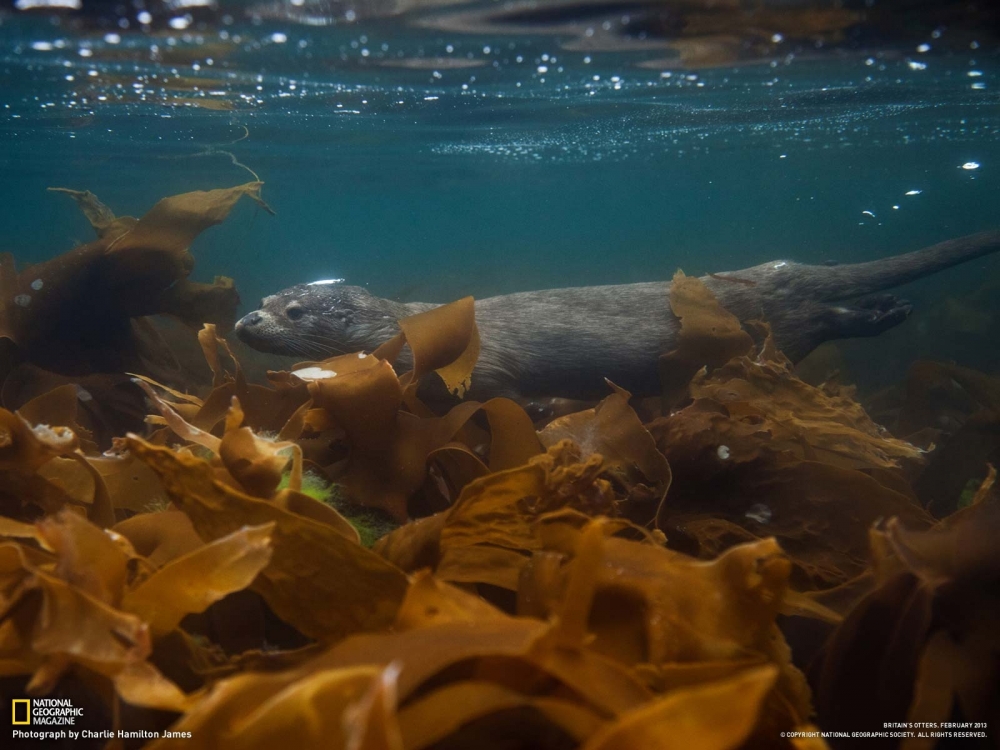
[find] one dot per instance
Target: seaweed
(608, 580)
(709, 336)
(84, 316)
(78, 597)
(370, 523)
(956, 408)
(922, 645)
(73, 314)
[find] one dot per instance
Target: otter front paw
(869, 316)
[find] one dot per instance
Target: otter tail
(857, 279)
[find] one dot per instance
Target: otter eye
(294, 313)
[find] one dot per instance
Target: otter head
(320, 320)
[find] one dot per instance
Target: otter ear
(325, 281)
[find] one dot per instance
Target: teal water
(430, 163)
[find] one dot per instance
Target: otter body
(565, 342)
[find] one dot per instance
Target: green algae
(371, 523)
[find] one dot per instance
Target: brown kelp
(627, 575)
(83, 317)
(921, 647)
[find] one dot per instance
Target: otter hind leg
(868, 316)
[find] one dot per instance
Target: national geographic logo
(44, 711)
(45, 714)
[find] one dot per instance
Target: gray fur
(565, 342)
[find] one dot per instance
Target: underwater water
(203, 545)
(428, 163)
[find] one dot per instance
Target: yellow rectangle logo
(20, 710)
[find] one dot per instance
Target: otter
(566, 342)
